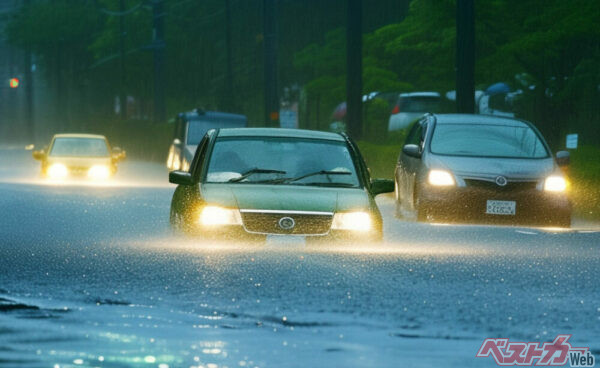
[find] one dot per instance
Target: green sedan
(248, 183)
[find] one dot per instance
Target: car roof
(279, 132)
(212, 115)
(478, 119)
(77, 135)
(420, 94)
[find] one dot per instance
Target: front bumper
(241, 234)
(533, 206)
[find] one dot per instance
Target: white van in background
(411, 106)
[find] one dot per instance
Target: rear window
(420, 104)
(198, 128)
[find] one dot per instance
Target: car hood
(285, 197)
(492, 167)
(79, 161)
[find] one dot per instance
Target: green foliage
(381, 159)
(377, 114)
(584, 172)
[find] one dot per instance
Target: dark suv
(190, 128)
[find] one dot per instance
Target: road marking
(526, 232)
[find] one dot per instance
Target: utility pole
(465, 56)
(270, 54)
(229, 100)
(354, 68)
(28, 76)
(158, 45)
(122, 98)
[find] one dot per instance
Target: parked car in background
(190, 128)
(483, 169)
(411, 106)
(253, 182)
(79, 156)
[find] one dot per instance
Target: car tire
(175, 220)
(422, 212)
(398, 202)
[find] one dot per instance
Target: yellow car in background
(79, 156)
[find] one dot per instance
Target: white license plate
(501, 207)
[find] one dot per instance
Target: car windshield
(420, 104)
(80, 147)
(198, 128)
(512, 141)
(286, 158)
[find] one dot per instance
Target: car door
(408, 166)
(186, 197)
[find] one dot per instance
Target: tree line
(548, 49)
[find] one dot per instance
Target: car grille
(78, 170)
(305, 223)
(511, 186)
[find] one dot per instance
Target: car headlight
(57, 171)
(555, 183)
(98, 172)
(214, 215)
(440, 178)
(358, 221)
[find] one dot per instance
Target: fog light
(357, 221)
(57, 171)
(98, 172)
(214, 215)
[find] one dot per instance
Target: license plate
(501, 207)
(286, 239)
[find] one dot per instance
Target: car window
(420, 104)
(86, 147)
(514, 141)
(231, 157)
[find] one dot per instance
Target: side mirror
(181, 177)
(38, 155)
(412, 150)
(379, 186)
(563, 158)
(118, 154)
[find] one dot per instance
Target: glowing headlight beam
(357, 221)
(555, 183)
(440, 178)
(214, 216)
(98, 172)
(57, 171)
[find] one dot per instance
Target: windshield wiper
(320, 172)
(330, 184)
(256, 170)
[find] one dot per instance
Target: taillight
(396, 109)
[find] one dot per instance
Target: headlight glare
(440, 178)
(555, 183)
(357, 221)
(57, 171)
(215, 215)
(98, 172)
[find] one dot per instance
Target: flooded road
(92, 276)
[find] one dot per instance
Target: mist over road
(92, 276)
